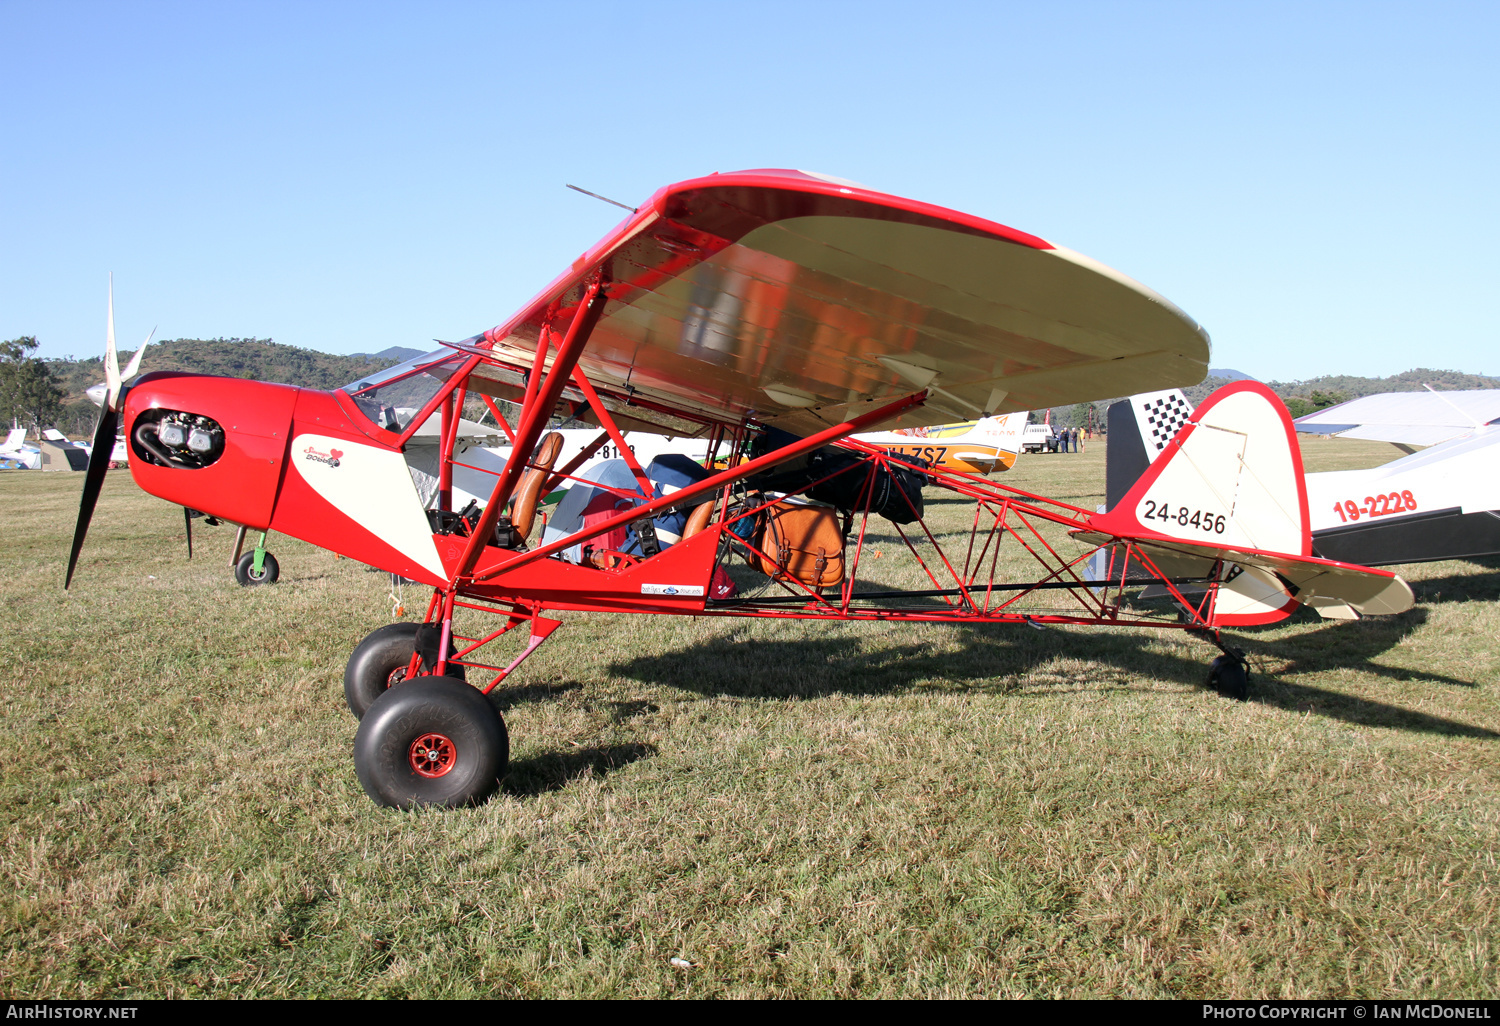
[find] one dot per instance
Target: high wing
(1407, 418)
(801, 301)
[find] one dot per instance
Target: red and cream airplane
(773, 315)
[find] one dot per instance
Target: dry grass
(797, 809)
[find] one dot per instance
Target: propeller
(104, 431)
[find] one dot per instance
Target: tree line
(50, 393)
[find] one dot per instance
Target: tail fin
(1003, 431)
(1230, 477)
(1139, 429)
(1227, 496)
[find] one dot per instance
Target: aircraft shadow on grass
(554, 771)
(1471, 587)
(993, 658)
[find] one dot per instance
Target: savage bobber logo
(331, 457)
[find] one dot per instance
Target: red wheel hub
(432, 755)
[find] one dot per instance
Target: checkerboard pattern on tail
(1164, 413)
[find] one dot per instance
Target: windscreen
(392, 397)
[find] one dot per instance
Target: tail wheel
(380, 662)
(433, 741)
(1230, 676)
(244, 570)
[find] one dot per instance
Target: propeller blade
(187, 523)
(111, 357)
(93, 481)
(135, 361)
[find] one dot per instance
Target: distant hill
(1303, 397)
(1351, 387)
(395, 354)
(1230, 375)
(257, 358)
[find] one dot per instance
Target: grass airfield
(796, 809)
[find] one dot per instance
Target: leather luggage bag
(803, 542)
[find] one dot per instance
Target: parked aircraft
(17, 454)
(982, 446)
(1441, 502)
(774, 314)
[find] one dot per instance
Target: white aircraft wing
(1407, 418)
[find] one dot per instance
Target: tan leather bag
(803, 542)
(523, 509)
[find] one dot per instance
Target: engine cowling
(210, 443)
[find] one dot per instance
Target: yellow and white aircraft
(975, 447)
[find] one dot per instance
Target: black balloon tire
(374, 661)
(1230, 677)
(431, 705)
(244, 570)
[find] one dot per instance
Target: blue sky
(1315, 183)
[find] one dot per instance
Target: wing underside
(798, 302)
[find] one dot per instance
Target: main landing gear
(383, 659)
(425, 739)
(433, 741)
(422, 740)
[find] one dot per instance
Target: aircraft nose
(209, 443)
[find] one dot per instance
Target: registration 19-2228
(1376, 506)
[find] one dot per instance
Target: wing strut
(541, 397)
(608, 424)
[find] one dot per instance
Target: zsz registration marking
(1182, 516)
(1376, 506)
(933, 454)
